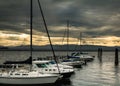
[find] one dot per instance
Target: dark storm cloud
(89, 14)
(13, 14)
(93, 15)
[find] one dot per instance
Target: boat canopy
(27, 61)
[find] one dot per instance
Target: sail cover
(27, 61)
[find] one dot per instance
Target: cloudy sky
(97, 20)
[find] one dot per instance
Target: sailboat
(26, 77)
(69, 61)
(50, 67)
(46, 66)
(81, 55)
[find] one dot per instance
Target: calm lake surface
(92, 74)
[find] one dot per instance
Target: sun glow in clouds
(23, 36)
(104, 41)
(24, 39)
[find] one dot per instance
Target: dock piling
(116, 57)
(100, 54)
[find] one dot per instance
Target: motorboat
(82, 56)
(61, 65)
(73, 62)
(50, 67)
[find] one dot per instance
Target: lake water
(92, 74)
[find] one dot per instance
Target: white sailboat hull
(24, 77)
(28, 80)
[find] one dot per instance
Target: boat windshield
(52, 62)
(78, 53)
(41, 65)
(75, 54)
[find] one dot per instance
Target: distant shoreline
(60, 48)
(50, 50)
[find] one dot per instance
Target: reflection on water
(63, 82)
(95, 73)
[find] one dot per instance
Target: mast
(31, 26)
(80, 44)
(48, 34)
(46, 28)
(67, 37)
(64, 36)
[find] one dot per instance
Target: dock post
(116, 57)
(100, 54)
